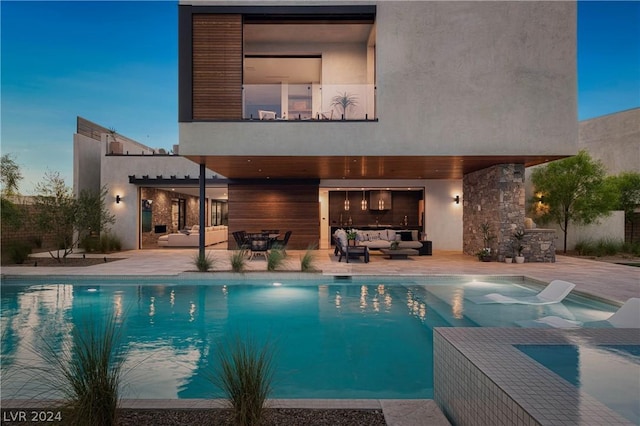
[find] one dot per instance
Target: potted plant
(351, 237)
(344, 101)
(393, 245)
(518, 236)
(484, 254)
(115, 146)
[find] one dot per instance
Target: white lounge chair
(553, 293)
(628, 316)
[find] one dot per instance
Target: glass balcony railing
(309, 102)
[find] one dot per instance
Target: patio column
(202, 210)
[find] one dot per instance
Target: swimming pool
(609, 373)
(357, 338)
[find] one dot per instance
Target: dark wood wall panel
(217, 67)
(282, 206)
(404, 203)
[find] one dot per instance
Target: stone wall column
(496, 196)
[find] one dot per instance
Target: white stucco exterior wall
(610, 228)
(115, 171)
(613, 139)
(443, 217)
(86, 164)
(452, 78)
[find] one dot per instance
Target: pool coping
(519, 389)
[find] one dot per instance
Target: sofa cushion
(410, 244)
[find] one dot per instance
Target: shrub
(18, 251)
(109, 243)
(307, 260)
(37, 241)
(608, 247)
(90, 244)
(244, 373)
(275, 258)
(603, 247)
(203, 262)
(631, 248)
(585, 248)
(238, 260)
(88, 371)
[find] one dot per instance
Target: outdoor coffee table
(399, 253)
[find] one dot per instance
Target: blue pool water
(366, 338)
(609, 373)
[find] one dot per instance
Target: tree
(627, 188)
(10, 176)
(59, 213)
(572, 190)
(55, 212)
(91, 213)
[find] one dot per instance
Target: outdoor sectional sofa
(191, 237)
(382, 238)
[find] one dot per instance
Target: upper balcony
(274, 64)
(310, 101)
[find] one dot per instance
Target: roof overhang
(358, 167)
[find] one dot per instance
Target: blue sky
(115, 63)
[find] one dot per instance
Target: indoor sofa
(191, 237)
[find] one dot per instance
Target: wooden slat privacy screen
(217, 67)
(89, 129)
(283, 206)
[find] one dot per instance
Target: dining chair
(259, 246)
(282, 244)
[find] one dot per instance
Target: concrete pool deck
(615, 283)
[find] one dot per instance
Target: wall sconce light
(457, 199)
(347, 205)
(541, 199)
(118, 199)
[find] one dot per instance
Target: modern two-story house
(317, 111)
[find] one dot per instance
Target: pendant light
(363, 203)
(346, 201)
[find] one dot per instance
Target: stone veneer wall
(494, 195)
(539, 245)
(161, 212)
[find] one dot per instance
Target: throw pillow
(405, 235)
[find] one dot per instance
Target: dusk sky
(115, 63)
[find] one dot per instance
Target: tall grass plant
(308, 259)
(244, 373)
(275, 259)
(203, 262)
(88, 371)
(238, 260)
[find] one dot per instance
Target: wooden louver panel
(217, 67)
(286, 207)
